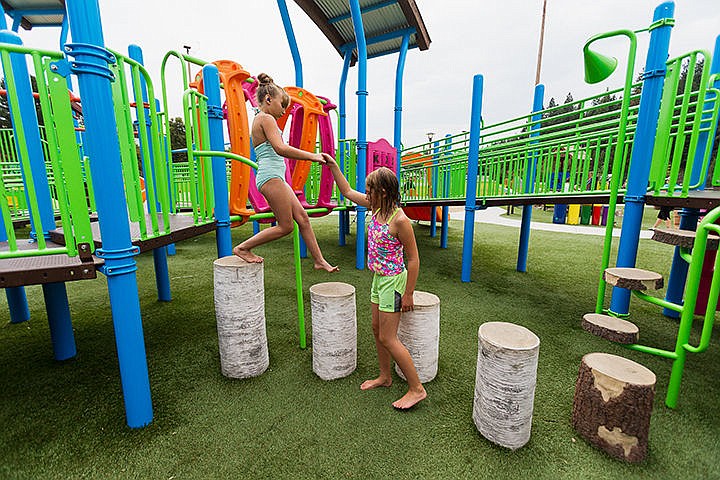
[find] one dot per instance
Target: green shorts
(387, 292)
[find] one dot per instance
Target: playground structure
(117, 166)
(602, 152)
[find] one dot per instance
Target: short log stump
(334, 329)
(612, 405)
(240, 315)
(505, 383)
(419, 331)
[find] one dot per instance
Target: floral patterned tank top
(385, 252)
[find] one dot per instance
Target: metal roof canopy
(35, 13)
(385, 23)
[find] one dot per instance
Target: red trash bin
(596, 213)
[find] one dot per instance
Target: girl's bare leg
(280, 198)
(303, 221)
(384, 359)
(388, 336)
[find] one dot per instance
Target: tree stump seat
(633, 278)
(505, 383)
(240, 314)
(334, 329)
(419, 331)
(683, 238)
(612, 405)
(610, 328)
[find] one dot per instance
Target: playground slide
(423, 213)
(418, 213)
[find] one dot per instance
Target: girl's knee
(285, 228)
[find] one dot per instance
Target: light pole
(187, 52)
(540, 46)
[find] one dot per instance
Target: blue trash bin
(560, 213)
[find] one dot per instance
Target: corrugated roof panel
(43, 6)
(37, 20)
(380, 17)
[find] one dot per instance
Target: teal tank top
(270, 164)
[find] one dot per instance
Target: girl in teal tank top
(270, 176)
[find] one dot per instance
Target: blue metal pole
(90, 64)
(56, 303)
(397, 134)
(446, 194)
(220, 187)
(342, 132)
(17, 304)
(703, 136)
(524, 243)
(162, 274)
(471, 188)
(290, 34)
(292, 42)
(27, 117)
(361, 132)
(435, 170)
(639, 171)
(16, 297)
(689, 216)
(58, 312)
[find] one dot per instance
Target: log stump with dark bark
(612, 405)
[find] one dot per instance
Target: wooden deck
(182, 227)
(59, 267)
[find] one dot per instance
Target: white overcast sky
(497, 38)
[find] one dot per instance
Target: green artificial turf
(66, 420)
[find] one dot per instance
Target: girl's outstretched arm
(354, 196)
(406, 235)
(272, 134)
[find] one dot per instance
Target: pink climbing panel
(381, 154)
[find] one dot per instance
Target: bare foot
(324, 265)
(377, 382)
(247, 255)
(409, 400)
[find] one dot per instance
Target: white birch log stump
(240, 314)
(334, 329)
(419, 331)
(505, 383)
(612, 405)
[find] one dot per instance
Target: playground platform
(181, 227)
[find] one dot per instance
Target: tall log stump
(334, 329)
(240, 315)
(505, 383)
(612, 405)
(419, 331)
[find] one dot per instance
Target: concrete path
(494, 215)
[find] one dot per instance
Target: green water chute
(598, 67)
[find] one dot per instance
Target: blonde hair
(386, 190)
(267, 88)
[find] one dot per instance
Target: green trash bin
(585, 214)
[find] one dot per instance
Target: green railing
(62, 155)
(199, 170)
(568, 151)
(141, 147)
(686, 114)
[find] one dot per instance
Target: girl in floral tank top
(385, 252)
(394, 259)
